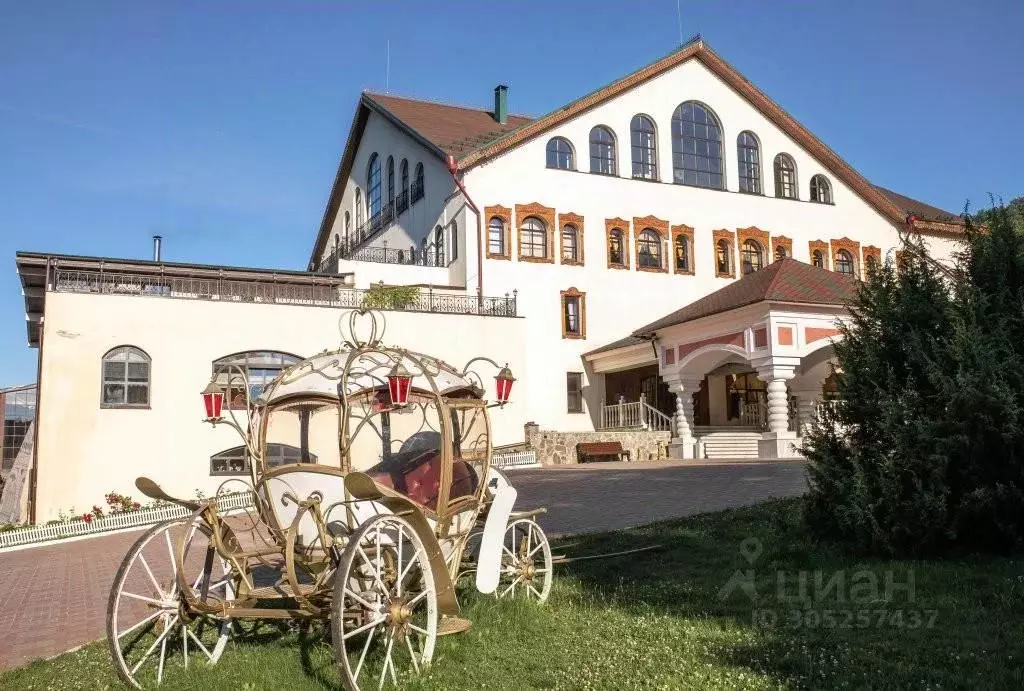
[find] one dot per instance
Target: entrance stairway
(728, 442)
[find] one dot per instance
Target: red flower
(136, 505)
(87, 517)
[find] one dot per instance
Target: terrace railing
(634, 415)
(279, 291)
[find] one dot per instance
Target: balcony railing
(273, 290)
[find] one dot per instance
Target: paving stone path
(54, 597)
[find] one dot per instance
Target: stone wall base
(774, 445)
(559, 448)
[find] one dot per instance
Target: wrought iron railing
(390, 255)
(330, 293)
(754, 414)
(377, 224)
(637, 414)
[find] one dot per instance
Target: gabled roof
(786, 281)
(615, 345)
(925, 212)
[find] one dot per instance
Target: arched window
(373, 198)
(780, 252)
(752, 256)
(359, 210)
(570, 243)
(785, 177)
(391, 180)
(697, 147)
(616, 250)
(722, 258)
(438, 246)
(417, 184)
(602, 151)
(649, 249)
(126, 372)
(748, 153)
(560, 154)
(454, 240)
(533, 238)
(496, 237)
(644, 146)
(236, 461)
(818, 259)
(348, 227)
(682, 254)
(821, 190)
(574, 314)
(844, 263)
(260, 368)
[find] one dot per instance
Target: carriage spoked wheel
(384, 610)
(525, 562)
(151, 632)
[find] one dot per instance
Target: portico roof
(785, 281)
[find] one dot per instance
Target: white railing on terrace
(515, 459)
(117, 521)
(634, 415)
(329, 294)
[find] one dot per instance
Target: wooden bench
(601, 450)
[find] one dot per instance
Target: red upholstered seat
(422, 482)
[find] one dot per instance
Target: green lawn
(657, 620)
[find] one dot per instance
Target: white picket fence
(516, 459)
(118, 521)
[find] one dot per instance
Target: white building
(568, 238)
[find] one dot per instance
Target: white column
(682, 445)
(807, 409)
(779, 440)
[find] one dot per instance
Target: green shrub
(380, 296)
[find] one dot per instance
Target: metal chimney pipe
(157, 240)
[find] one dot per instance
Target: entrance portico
(776, 326)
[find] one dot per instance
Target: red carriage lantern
(503, 384)
(399, 382)
(213, 401)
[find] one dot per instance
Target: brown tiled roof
(912, 207)
(615, 345)
(454, 130)
(787, 280)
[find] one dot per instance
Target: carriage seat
(421, 479)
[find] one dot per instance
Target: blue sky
(219, 124)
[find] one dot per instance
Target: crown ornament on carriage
(354, 335)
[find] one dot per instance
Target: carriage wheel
(150, 630)
(384, 611)
(525, 562)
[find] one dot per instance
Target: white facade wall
(85, 451)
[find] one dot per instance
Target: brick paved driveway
(53, 598)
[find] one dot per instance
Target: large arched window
(236, 461)
(126, 378)
(649, 249)
(616, 248)
(722, 258)
(844, 263)
(373, 198)
(391, 180)
(753, 257)
(560, 154)
(821, 190)
(748, 154)
(682, 253)
(570, 243)
(697, 147)
(260, 368)
(533, 238)
(785, 177)
(496, 237)
(644, 146)
(438, 246)
(417, 184)
(602, 151)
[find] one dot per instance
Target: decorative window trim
(761, 237)
(823, 247)
(851, 246)
(149, 378)
(545, 214)
(576, 221)
(505, 214)
(871, 251)
(729, 236)
(573, 293)
(611, 224)
(687, 232)
(782, 241)
(661, 228)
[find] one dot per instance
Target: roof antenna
(679, 20)
(387, 65)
